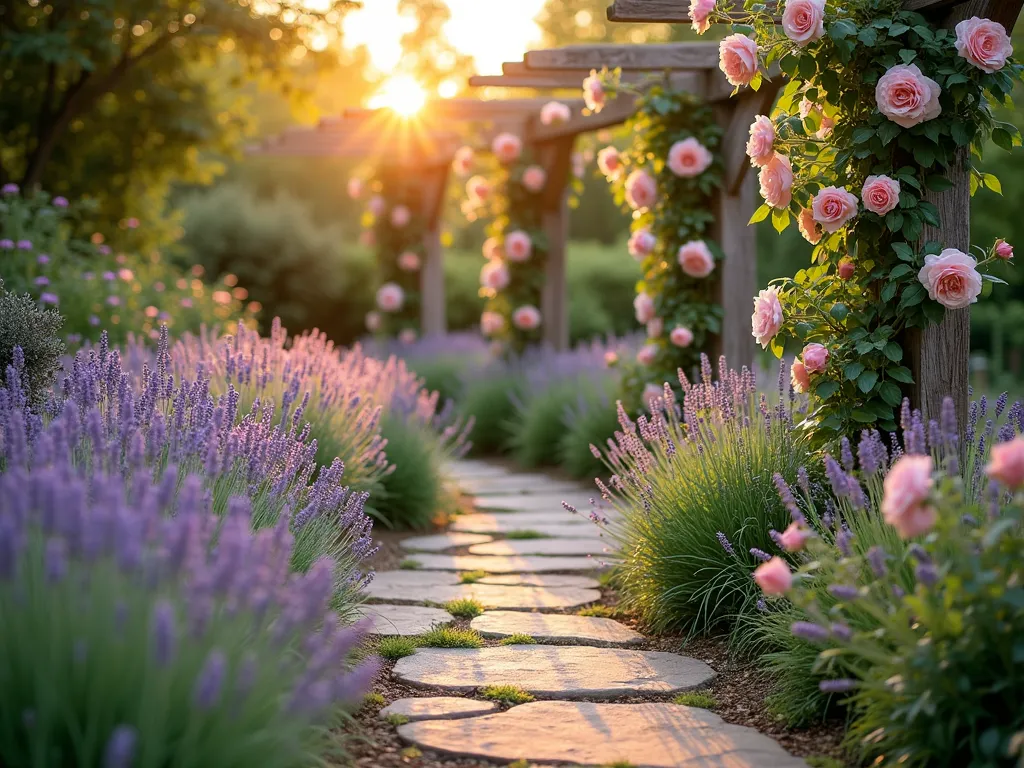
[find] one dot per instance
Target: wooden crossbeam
(554, 79)
(616, 111)
(462, 108)
(628, 57)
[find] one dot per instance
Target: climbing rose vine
(879, 108)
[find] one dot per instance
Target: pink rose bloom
(526, 318)
(905, 503)
(1007, 463)
(221, 297)
(794, 537)
(609, 162)
(951, 278)
(126, 274)
(610, 358)
(803, 21)
(641, 189)
(373, 321)
(409, 261)
(809, 228)
(681, 336)
(647, 354)
(534, 178)
(643, 308)
(827, 124)
(776, 178)
(815, 358)
(807, 107)
(767, 318)
(478, 189)
(492, 248)
(463, 161)
(737, 58)
(390, 297)
(641, 243)
(152, 311)
(760, 145)
(518, 246)
(833, 207)
(355, 187)
(695, 258)
(984, 43)
(492, 323)
(880, 194)
(376, 205)
(579, 163)
(400, 216)
(1003, 250)
(368, 238)
(846, 268)
(554, 112)
(494, 275)
(593, 92)
(906, 96)
(186, 302)
(407, 336)
(507, 147)
(688, 158)
(655, 328)
(651, 392)
(774, 577)
(799, 377)
(700, 15)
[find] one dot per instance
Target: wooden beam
(616, 111)
(737, 280)
(628, 57)
(432, 303)
(555, 294)
(553, 79)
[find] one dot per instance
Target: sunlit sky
(491, 31)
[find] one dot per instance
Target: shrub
(506, 694)
(159, 645)
(450, 637)
(409, 497)
(599, 611)
(589, 420)
(471, 577)
(395, 647)
(397, 719)
(464, 608)
(697, 500)
(538, 425)
(487, 399)
(374, 699)
(701, 700)
(29, 344)
(518, 638)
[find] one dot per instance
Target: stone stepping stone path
(579, 663)
(438, 708)
(556, 628)
(404, 619)
(587, 733)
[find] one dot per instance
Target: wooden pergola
(938, 356)
(691, 67)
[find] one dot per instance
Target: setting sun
(402, 94)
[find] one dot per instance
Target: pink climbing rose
(905, 501)
(507, 147)
(700, 15)
(377, 205)
(737, 58)
(409, 261)
(518, 246)
(846, 268)
(407, 336)
(951, 278)
(609, 163)
(767, 318)
(492, 248)
(534, 178)
(761, 144)
(643, 308)
(774, 577)
(799, 376)
(880, 194)
(390, 297)
(695, 258)
(776, 179)
(462, 164)
(478, 189)
(794, 537)
(688, 158)
(905, 96)
(647, 354)
(593, 92)
(815, 358)
(681, 336)
(655, 328)
(400, 216)
(641, 243)
(641, 189)
(494, 275)
(1003, 250)
(833, 207)
(1007, 463)
(355, 187)
(526, 318)
(554, 112)
(803, 21)
(492, 323)
(651, 392)
(983, 43)
(809, 228)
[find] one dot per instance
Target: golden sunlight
(402, 94)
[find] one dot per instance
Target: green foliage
(538, 425)
(488, 400)
(26, 327)
(590, 421)
(471, 577)
(441, 374)
(374, 699)
(409, 564)
(464, 607)
(823, 761)
(450, 637)
(395, 647)
(518, 638)
(525, 533)
(701, 700)
(396, 719)
(600, 611)
(411, 496)
(506, 694)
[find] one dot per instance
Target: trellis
(938, 356)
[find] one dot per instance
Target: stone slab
(516, 484)
(532, 503)
(475, 469)
(544, 547)
(522, 598)
(556, 628)
(554, 671)
(438, 708)
(433, 562)
(521, 521)
(404, 619)
(646, 735)
(541, 580)
(439, 542)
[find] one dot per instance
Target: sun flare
(402, 94)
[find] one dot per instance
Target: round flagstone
(541, 580)
(556, 628)
(438, 708)
(553, 671)
(442, 541)
(546, 547)
(523, 598)
(404, 619)
(648, 735)
(432, 562)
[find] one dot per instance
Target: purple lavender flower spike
(840, 685)
(876, 558)
(760, 554)
(844, 591)
(163, 631)
(807, 630)
(726, 544)
(120, 749)
(210, 682)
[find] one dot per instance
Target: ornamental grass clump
(143, 629)
(693, 485)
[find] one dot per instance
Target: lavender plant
(693, 485)
(590, 421)
(32, 331)
(142, 629)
